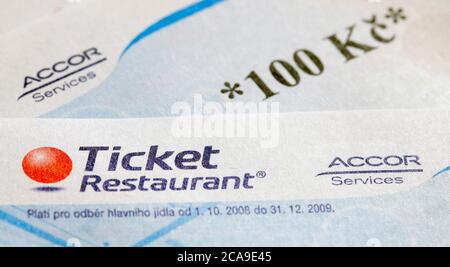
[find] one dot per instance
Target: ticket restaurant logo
(131, 171)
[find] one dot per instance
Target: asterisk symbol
(231, 90)
(396, 15)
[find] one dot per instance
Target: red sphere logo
(47, 165)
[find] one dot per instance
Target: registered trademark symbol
(261, 174)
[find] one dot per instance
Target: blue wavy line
(163, 231)
(171, 19)
(57, 227)
(31, 229)
(442, 171)
(169, 228)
